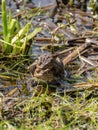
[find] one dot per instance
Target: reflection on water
(81, 4)
(42, 3)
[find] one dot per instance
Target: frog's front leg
(32, 67)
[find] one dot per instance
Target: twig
(74, 53)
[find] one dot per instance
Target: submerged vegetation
(66, 32)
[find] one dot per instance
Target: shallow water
(41, 3)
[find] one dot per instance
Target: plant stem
(4, 19)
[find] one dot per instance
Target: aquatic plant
(15, 38)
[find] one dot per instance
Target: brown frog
(48, 67)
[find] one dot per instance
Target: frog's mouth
(41, 73)
(45, 75)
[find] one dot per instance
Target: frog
(48, 67)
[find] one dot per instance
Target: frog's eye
(37, 70)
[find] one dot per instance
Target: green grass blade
(21, 33)
(10, 35)
(4, 42)
(16, 40)
(25, 40)
(4, 19)
(4, 23)
(31, 35)
(11, 30)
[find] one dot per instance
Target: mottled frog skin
(48, 68)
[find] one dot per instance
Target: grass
(16, 39)
(55, 112)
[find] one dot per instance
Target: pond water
(42, 3)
